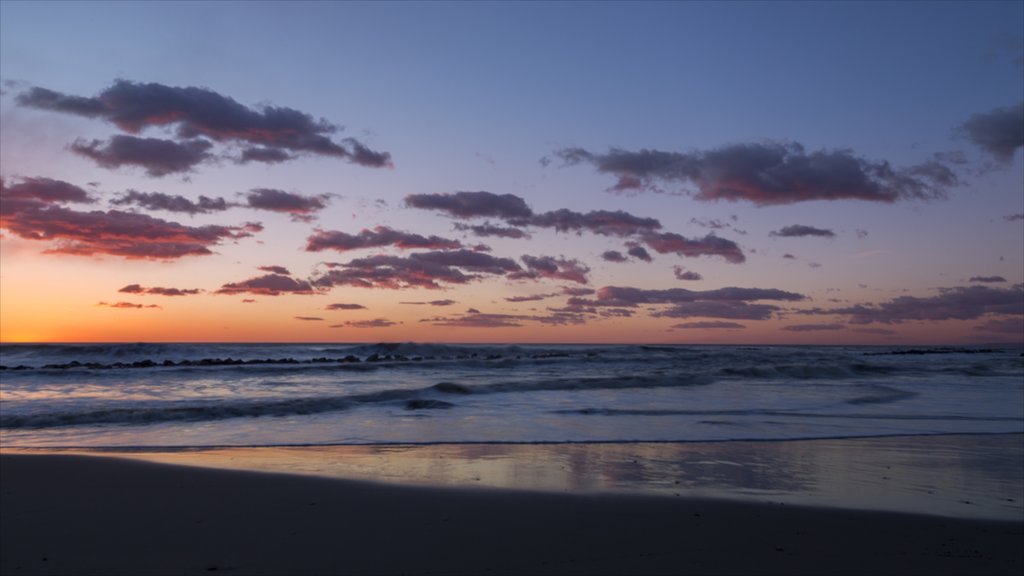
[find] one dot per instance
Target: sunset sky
(683, 172)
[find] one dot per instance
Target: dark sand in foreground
(88, 515)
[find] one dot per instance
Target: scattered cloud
(554, 268)
(514, 211)
(812, 327)
(733, 310)
(44, 190)
(268, 285)
(157, 156)
(710, 325)
(601, 222)
(170, 203)
(612, 256)
(30, 210)
(531, 297)
(639, 252)
(275, 270)
(375, 323)
(419, 270)
(264, 155)
(159, 291)
(731, 303)
(376, 238)
(488, 229)
(710, 245)
(200, 112)
(577, 291)
(800, 230)
(126, 305)
(876, 331)
(309, 318)
(478, 320)
(432, 303)
(1000, 132)
(342, 306)
(989, 279)
(300, 208)
(472, 204)
(1012, 217)
(959, 303)
(684, 274)
(768, 173)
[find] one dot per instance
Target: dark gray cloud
(275, 270)
(309, 318)
(768, 173)
(1012, 217)
(196, 112)
(799, 230)
(1000, 132)
(31, 210)
(530, 297)
(159, 291)
(628, 297)
(429, 270)
(157, 156)
(126, 305)
(472, 204)
(732, 310)
(710, 245)
(709, 325)
(639, 252)
(602, 222)
(684, 274)
(476, 319)
(988, 279)
(877, 331)
(612, 256)
(489, 229)
(514, 211)
(40, 190)
(959, 303)
(375, 323)
(812, 327)
(554, 268)
(268, 285)
(432, 303)
(264, 155)
(577, 291)
(171, 203)
(342, 306)
(300, 208)
(378, 237)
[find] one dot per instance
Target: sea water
(219, 395)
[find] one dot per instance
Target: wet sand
(66, 514)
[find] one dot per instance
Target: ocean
(134, 396)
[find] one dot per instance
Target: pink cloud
(30, 211)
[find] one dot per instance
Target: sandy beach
(68, 514)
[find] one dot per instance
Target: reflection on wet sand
(962, 476)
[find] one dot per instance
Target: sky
(665, 172)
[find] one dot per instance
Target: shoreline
(65, 514)
(949, 475)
